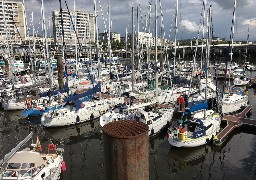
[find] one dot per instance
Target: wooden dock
(234, 121)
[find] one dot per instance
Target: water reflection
(181, 158)
(83, 149)
(73, 133)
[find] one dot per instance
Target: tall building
(12, 22)
(83, 25)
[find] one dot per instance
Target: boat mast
(246, 49)
(175, 37)
(232, 40)
(89, 41)
(138, 40)
(126, 39)
(203, 34)
(46, 46)
(109, 33)
(34, 45)
(156, 70)
(75, 17)
(208, 45)
(132, 50)
(97, 42)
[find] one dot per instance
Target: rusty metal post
(126, 150)
(60, 71)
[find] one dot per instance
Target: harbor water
(83, 144)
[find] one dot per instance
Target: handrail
(14, 150)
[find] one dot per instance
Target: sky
(189, 17)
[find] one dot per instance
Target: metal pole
(132, 51)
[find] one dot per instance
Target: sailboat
(233, 99)
(197, 131)
(202, 126)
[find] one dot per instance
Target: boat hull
(192, 143)
(13, 106)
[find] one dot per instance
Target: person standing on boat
(181, 103)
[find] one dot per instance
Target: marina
(82, 99)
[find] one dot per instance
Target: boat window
(30, 173)
(156, 118)
(209, 126)
(27, 165)
(13, 166)
(22, 172)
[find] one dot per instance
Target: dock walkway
(234, 121)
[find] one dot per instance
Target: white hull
(199, 131)
(13, 106)
(189, 144)
(155, 121)
(158, 125)
(50, 168)
(229, 107)
(69, 115)
(238, 82)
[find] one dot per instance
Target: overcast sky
(189, 16)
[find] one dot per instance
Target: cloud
(189, 16)
(189, 25)
(250, 22)
(228, 4)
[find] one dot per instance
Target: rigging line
(79, 44)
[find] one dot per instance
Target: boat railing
(14, 150)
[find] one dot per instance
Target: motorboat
(32, 163)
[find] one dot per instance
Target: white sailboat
(155, 118)
(195, 132)
(234, 99)
(69, 114)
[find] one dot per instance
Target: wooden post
(60, 71)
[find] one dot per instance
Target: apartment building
(78, 27)
(12, 22)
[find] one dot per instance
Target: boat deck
(234, 121)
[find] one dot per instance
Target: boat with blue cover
(196, 131)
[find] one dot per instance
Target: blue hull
(32, 112)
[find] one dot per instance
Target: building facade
(147, 39)
(12, 22)
(114, 36)
(78, 27)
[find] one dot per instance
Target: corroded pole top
(125, 129)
